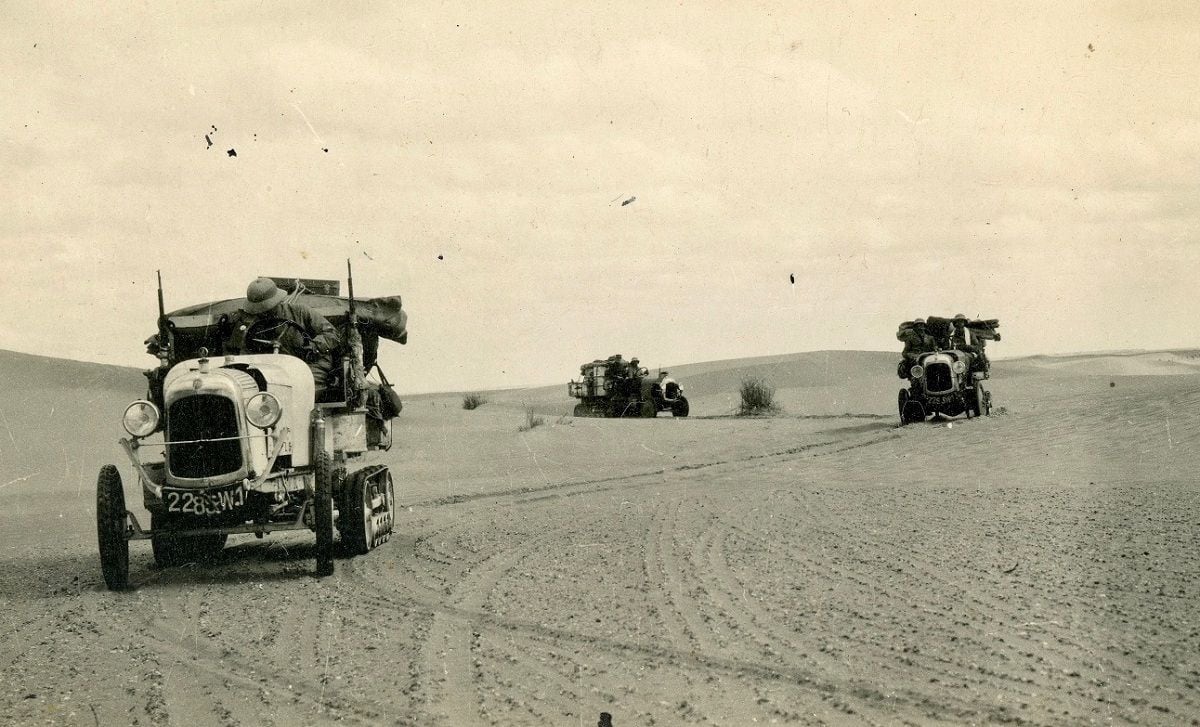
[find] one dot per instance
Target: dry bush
(758, 397)
(473, 401)
(531, 420)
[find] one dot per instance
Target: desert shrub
(758, 397)
(531, 420)
(473, 401)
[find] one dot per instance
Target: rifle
(164, 328)
(356, 384)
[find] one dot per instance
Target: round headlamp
(140, 418)
(263, 410)
(959, 367)
(916, 371)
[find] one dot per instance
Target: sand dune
(818, 567)
(1138, 363)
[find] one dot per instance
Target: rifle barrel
(161, 309)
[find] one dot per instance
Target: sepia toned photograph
(331, 333)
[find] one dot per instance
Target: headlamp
(916, 371)
(263, 410)
(141, 418)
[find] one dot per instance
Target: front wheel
(982, 404)
(111, 528)
(902, 402)
(323, 512)
(680, 407)
(983, 401)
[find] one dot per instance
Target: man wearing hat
(958, 339)
(973, 345)
(916, 342)
(267, 317)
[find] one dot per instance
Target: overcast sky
(1037, 163)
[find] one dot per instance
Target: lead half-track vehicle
(947, 378)
(247, 445)
(614, 387)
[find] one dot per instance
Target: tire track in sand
(449, 653)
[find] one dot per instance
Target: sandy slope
(1037, 567)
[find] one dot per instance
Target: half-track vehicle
(614, 387)
(947, 378)
(247, 444)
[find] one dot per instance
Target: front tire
(680, 407)
(111, 528)
(983, 401)
(648, 409)
(323, 512)
(902, 402)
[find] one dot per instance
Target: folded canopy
(206, 324)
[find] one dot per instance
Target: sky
(546, 184)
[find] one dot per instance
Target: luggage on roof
(206, 324)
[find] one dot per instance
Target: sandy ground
(820, 567)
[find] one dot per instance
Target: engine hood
(238, 378)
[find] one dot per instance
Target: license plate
(207, 502)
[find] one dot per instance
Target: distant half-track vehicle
(948, 377)
(248, 445)
(614, 387)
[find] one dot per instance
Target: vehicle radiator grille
(203, 417)
(938, 378)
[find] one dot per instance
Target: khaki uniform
(916, 343)
(317, 350)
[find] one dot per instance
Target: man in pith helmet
(958, 339)
(267, 318)
(916, 342)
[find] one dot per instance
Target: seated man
(266, 319)
(958, 339)
(916, 342)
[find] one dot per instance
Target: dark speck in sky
(439, 257)
(325, 149)
(232, 152)
(631, 200)
(793, 278)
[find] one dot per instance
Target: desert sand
(822, 566)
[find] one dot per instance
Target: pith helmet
(960, 317)
(262, 295)
(919, 322)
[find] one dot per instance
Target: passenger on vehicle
(916, 342)
(958, 339)
(266, 318)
